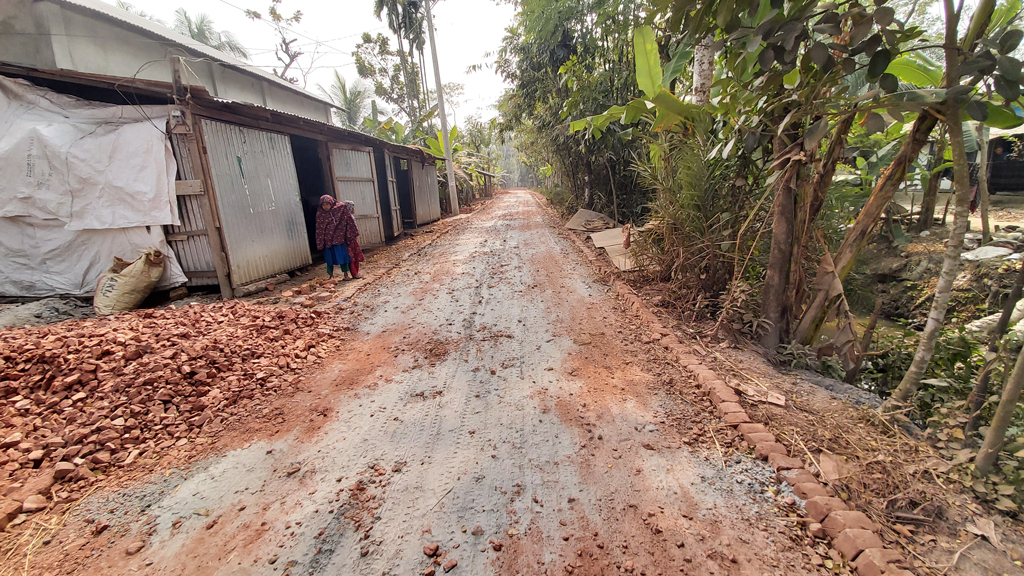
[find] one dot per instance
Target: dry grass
(18, 547)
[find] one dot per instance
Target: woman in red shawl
(335, 227)
(354, 251)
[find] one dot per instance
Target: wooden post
(199, 169)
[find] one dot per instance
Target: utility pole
(453, 186)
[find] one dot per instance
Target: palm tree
(133, 10)
(200, 28)
(400, 15)
(352, 98)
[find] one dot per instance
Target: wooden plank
(184, 235)
(202, 274)
(188, 187)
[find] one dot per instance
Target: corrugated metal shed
(425, 190)
(258, 199)
(355, 180)
(189, 241)
(89, 36)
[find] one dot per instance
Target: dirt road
(495, 401)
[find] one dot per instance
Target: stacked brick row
(851, 532)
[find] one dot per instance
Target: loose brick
(875, 561)
(794, 477)
(706, 375)
(722, 394)
(808, 490)
(841, 520)
(751, 429)
(783, 462)
(756, 438)
(734, 418)
(729, 408)
(851, 542)
(686, 359)
(762, 450)
(820, 507)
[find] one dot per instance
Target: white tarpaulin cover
(92, 166)
(42, 258)
(80, 182)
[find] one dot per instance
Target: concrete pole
(453, 187)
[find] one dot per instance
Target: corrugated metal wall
(428, 203)
(354, 180)
(258, 199)
(189, 241)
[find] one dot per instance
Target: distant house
(174, 145)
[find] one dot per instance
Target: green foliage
(701, 212)
(568, 59)
(351, 98)
(381, 66)
(201, 29)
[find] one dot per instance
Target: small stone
(450, 565)
(496, 546)
(62, 469)
(134, 548)
(33, 503)
(9, 510)
(478, 530)
(817, 531)
(431, 549)
(648, 446)
(430, 571)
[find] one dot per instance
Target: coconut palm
(200, 28)
(133, 10)
(352, 98)
(401, 17)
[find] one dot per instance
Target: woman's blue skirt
(336, 255)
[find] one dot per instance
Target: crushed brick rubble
(80, 398)
(853, 535)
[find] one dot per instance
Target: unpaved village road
(493, 391)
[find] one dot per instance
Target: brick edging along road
(851, 532)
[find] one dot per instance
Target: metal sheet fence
(258, 199)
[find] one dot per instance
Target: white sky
(466, 31)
